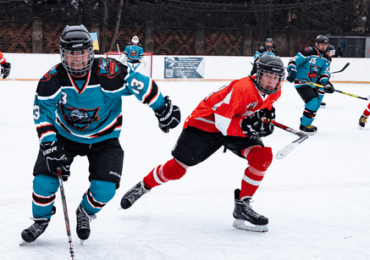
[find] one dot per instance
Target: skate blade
(82, 242)
(245, 225)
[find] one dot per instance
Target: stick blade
(286, 150)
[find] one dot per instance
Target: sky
(316, 198)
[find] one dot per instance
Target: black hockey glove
(55, 156)
(5, 69)
(169, 116)
(251, 126)
(267, 128)
(292, 74)
(329, 88)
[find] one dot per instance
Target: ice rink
(317, 199)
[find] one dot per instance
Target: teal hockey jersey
(89, 110)
(311, 65)
(133, 52)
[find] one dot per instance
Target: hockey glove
(267, 128)
(169, 116)
(55, 156)
(292, 73)
(5, 69)
(251, 126)
(329, 88)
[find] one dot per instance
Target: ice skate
(133, 195)
(246, 218)
(83, 223)
(362, 121)
(308, 130)
(35, 230)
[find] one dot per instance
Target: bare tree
(117, 26)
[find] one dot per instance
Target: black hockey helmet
(269, 43)
(322, 39)
(330, 51)
(272, 65)
(76, 50)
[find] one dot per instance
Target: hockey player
(5, 66)
(311, 65)
(134, 53)
(330, 51)
(78, 111)
(266, 49)
(229, 117)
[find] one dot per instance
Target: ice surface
(317, 198)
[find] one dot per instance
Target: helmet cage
(272, 70)
(76, 50)
(330, 51)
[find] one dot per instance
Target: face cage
(268, 45)
(269, 91)
(331, 53)
(77, 68)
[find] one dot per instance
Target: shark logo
(79, 118)
(314, 70)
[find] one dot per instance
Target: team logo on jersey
(48, 74)
(79, 118)
(314, 70)
(133, 53)
(108, 68)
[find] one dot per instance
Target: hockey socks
(171, 170)
(97, 196)
(43, 196)
(259, 159)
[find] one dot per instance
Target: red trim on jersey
(75, 85)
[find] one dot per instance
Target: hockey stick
(336, 90)
(345, 66)
(66, 218)
(287, 149)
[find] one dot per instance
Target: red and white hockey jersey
(224, 110)
(2, 58)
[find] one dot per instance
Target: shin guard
(43, 196)
(97, 196)
(171, 170)
(259, 159)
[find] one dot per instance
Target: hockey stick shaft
(288, 148)
(281, 126)
(66, 218)
(336, 90)
(345, 66)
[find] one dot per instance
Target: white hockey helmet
(135, 40)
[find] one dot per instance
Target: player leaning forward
(229, 117)
(78, 111)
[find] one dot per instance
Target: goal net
(144, 68)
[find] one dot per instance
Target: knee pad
(173, 170)
(260, 158)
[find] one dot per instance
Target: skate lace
(135, 194)
(248, 209)
(84, 219)
(38, 228)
